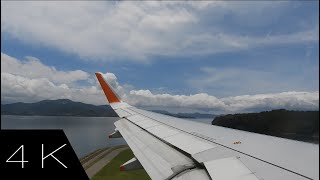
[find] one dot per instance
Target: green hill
(297, 125)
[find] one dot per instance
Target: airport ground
(104, 164)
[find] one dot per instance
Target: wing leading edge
(172, 148)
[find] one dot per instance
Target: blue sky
(223, 49)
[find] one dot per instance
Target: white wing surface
(173, 148)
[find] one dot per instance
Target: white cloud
(245, 103)
(23, 87)
(196, 101)
(226, 81)
(137, 30)
(113, 81)
(223, 42)
(287, 100)
(31, 81)
(15, 88)
(33, 68)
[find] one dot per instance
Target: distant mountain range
(185, 115)
(297, 125)
(60, 107)
(66, 107)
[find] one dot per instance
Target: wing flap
(158, 158)
(229, 168)
(192, 174)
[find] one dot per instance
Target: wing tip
(96, 73)
(111, 96)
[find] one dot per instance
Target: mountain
(60, 107)
(185, 115)
(66, 107)
(297, 125)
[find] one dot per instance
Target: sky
(182, 56)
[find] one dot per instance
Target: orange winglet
(122, 168)
(111, 96)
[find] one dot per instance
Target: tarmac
(95, 161)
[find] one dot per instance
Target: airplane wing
(173, 148)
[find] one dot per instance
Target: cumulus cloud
(15, 88)
(25, 87)
(197, 101)
(131, 30)
(113, 81)
(31, 81)
(33, 68)
(245, 103)
(287, 100)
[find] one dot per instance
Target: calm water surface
(85, 134)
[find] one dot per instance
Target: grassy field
(93, 154)
(111, 170)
